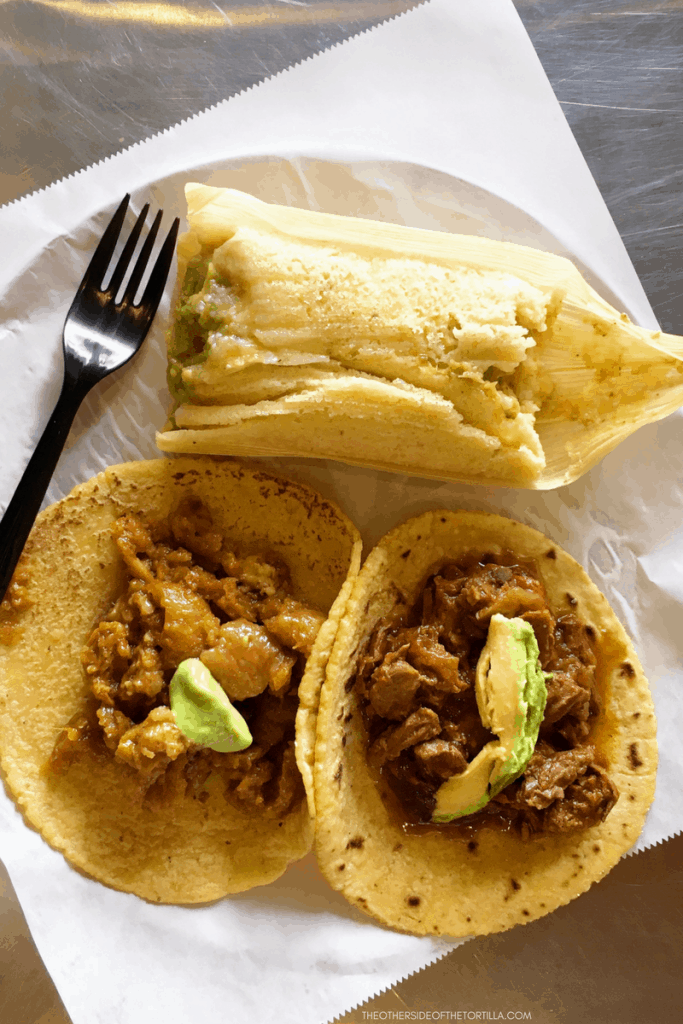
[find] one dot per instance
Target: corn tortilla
(430, 882)
(188, 851)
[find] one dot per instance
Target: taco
(433, 815)
(147, 567)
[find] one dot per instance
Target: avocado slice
(203, 712)
(511, 697)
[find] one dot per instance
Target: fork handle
(23, 508)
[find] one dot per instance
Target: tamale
(457, 357)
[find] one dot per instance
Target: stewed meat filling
(189, 595)
(416, 677)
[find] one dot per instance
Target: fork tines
(95, 274)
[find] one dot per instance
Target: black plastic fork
(100, 335)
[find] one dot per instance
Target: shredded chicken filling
(189, 595)
(416, 677)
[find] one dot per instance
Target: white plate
(297, 926)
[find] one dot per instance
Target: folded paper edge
(214, 106)
(453, 944)
(456, 943)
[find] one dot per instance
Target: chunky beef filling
(416, 683)
(188, 595)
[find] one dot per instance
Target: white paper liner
(294, 951)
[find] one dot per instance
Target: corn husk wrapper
(301, 333)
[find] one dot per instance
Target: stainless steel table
(82, 80)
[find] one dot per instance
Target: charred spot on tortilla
(633, 756)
